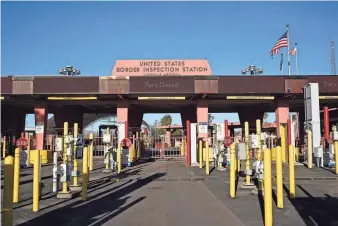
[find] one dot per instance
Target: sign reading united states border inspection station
(161, 67)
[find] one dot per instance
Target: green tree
(166, 120)
(177, 132)
(156, 131)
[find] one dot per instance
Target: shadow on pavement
(315, 211)
(78, 194)
(96, 210)
(331, 170)
(92, 186)
(96, 184)
(31, 180)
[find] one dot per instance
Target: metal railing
(165, 148)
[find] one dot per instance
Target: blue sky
(40, 37)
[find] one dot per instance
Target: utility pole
(333, 59)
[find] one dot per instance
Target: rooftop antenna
(333, 59)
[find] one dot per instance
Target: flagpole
(296, 58)
(282, 63)
(288, 36)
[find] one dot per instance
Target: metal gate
(164, 148)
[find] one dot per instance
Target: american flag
(293, 51)
(282, 42)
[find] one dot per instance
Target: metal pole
(16, 186)
(200, 154)
(188, 143)
(247, 162)
(309, 149)
(91, 155)
(226, 128)
(326, 123)
(4, 147)
(65, 157)
(289, 131)
(283, 141)
(268, 220)
(296, 59)
(55, 175)
(8, 191)
(36, 181)
(28, 150)
(336, 149)
(232, 171)
(279, 177)
(292, 188)
(75, 162)
(182, 147)
(288, 37)
(207, 163)
(259, 152)
(282, 62)
(85, 174)
(119, 158)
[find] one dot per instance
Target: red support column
(326, 123)
(202, 116)
(188, 143)
(226, 129)
(282, 114)
(289, 131)
(40, 126)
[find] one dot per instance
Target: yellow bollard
(132, 154)
(207, 163)
(16, 185)
(297, 154)
(336, 155)
(65, 157)
(4, 147)
(36, 181)
(85, 174)
(232, 171)
(279, 177)
(75, 162)
(267, 188)
(119, 159)
(8, 191)
(309, 149)
(273, 154)
(336, 149)
(200, 154)
(182, 148)
(292, 188)
(283, 141)
(91, 154)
